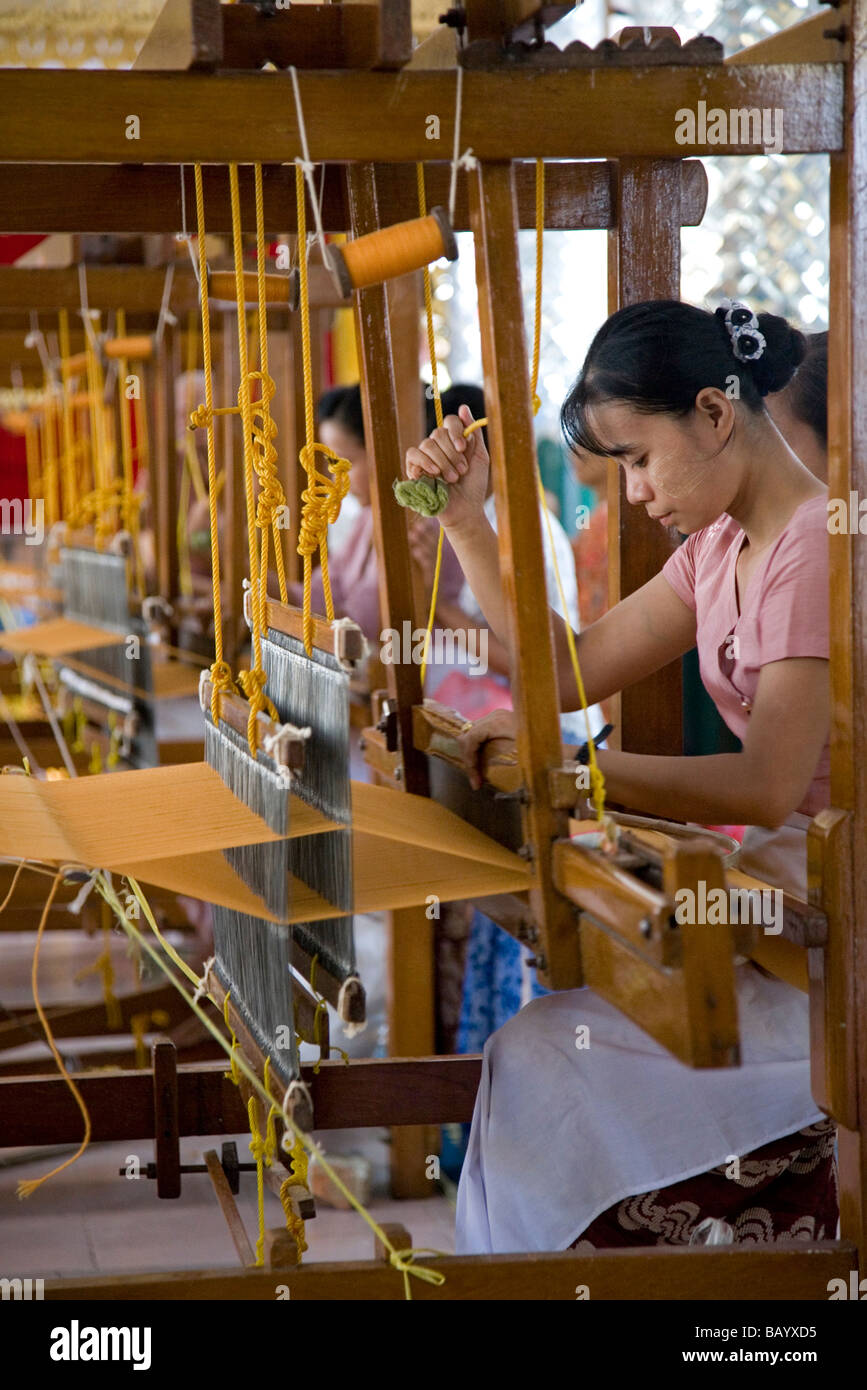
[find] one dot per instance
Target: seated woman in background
(800, 412)
(620, 1143)
(355, 578)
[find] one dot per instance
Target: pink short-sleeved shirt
(785, 614)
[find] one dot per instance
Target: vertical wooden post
(494, 222)
(387, 431)
(233, 548)
(844, 888)
(381, 431)
(164, 464)
(643, 263)
(405, 304)
(167, 1145)
(411, 1033)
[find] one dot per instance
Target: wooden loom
(647, 188)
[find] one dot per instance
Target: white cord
(467, 160)
(184, 235)
(165, 316)
(85, 311)
(308, 170)
(204, 984)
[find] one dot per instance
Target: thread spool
(76, 363)
(139, 346)
(393, 251)
(16, 421)
(279, 289)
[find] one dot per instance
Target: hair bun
(785, 350)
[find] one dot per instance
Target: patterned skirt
(786, 1190)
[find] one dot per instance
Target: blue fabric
(492, 983)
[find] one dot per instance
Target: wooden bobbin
(279, 289)
(394, 251)
(139, 346)
(16, 421)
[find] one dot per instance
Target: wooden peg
(397, 1234)
(167, 1146)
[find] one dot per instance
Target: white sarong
(561, 1133)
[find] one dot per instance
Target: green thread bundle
(427, 496)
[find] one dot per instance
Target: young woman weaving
(638, 1147)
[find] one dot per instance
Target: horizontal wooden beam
(146, 199)
(137, 289)
(393, 1091)
(802, 1270)
(86, 117)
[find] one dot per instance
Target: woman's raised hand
(462, 463)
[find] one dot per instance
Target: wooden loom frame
(817, 96)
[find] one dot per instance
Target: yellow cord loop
(27, 1188)
(272, 497)
(323, 496)
(321, 1008)
(402, 1260)
(232, 1074)
(222, 681)
(257, 1149)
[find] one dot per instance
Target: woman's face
(337, 437)
(679, 470)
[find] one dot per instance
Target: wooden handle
(138, 345)
(278, 288)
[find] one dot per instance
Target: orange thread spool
(393, 251)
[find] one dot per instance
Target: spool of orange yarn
(393, 251)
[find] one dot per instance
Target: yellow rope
(323, 496)
(297, 1172)
(233, 1060)
(401, 1260)
(597, 780)
(257, 1149)
(31, 446)
(104, 967)
(49, 460)
(271, 497)
(70, 491)
(438, 411)
(221, 672)
(129, 505)
(27, 1188)
(297, 1176)
(321, 1008)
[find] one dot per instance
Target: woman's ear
(716, 406)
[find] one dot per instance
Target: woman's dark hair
(657, 356)
(342, 404)
(808, 392)
(461, 393)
